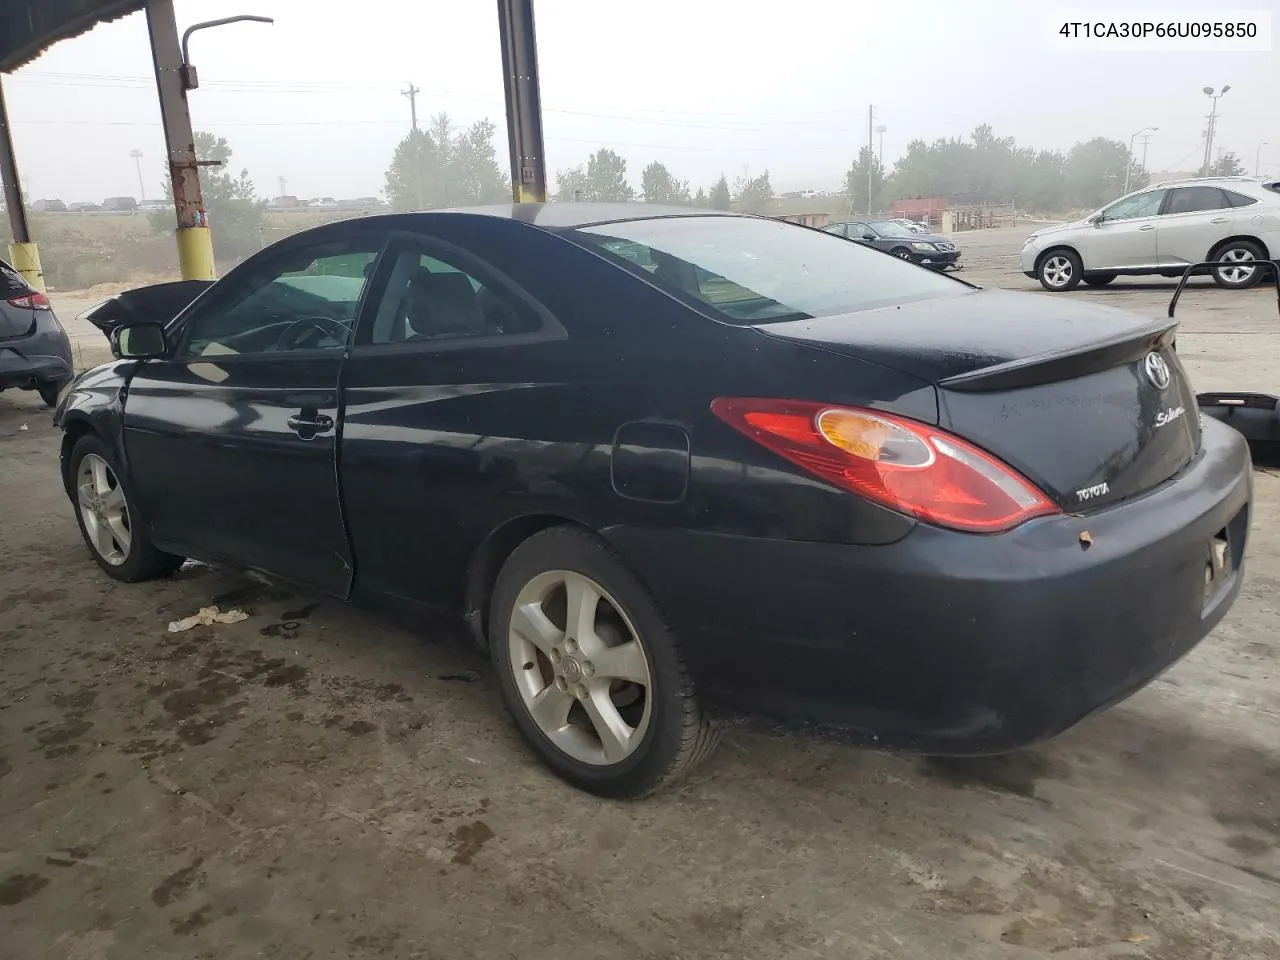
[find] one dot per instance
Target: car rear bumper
(43, 357)
(953, 643)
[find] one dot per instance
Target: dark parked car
(34, 351)
(895, 237)
(664, 461)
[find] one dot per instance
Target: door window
(428, 296)
(302, 299)
(1130, 208)
(1196, 199)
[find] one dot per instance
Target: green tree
(700, 198)
(855, 183)
(231, 202)
(445, 167)
(754, 193)
(1227, 165)
(720, 199)
(657, 185)
(1095, 172)
(603, 181)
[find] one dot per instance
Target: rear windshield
(750, 270)
(11, 282)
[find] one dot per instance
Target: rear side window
(11, 282)
(1196, 199)
(1239, 199)
(747, 270)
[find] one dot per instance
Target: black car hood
(952, 336)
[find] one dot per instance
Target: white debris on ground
(205, 617)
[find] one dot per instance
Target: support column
(22, 251)
(524, 101)
(195, 245)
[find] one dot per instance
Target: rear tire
(580, 647)
(108, 518)
(1099, 279)
(1242, 277)
(1059, 270)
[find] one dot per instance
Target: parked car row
(1161, 230)
(113, 204)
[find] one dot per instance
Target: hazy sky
(705, 86)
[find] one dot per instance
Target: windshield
(891, 228)
(750, 270)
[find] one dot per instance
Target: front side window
(1196, 199)
(748, 270)
(304, 299)
(1140, 205)
(429, 296)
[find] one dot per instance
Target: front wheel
(1060, 270)
(589, 669)
(108, 517)
(902, 253)
(1241, 274)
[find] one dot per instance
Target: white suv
(1162, 229)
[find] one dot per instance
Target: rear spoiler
(1066, 364)
(1214, 264)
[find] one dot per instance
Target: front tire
(1238, 277)
(1059, 270)
(1099, 279)
(107, 516)
(590, 670)
(902, 253)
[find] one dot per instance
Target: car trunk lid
(1089, 403)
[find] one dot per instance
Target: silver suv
(1162, 229)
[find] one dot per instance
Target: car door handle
(1218, 220)
(1147, 226)
(310, 427)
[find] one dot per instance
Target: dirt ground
(320, 781)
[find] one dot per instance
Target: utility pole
(137, 162)
(1146, 141)
(412, 94)
(1213, 119)
(1257, 158)
(880, 130)
(22, 251)
(871, 120)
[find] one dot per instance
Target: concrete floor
(320, 781)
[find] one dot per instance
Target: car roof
(567, 216)
(1236, 183)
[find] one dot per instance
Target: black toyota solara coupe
(671, 462)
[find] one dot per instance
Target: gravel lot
(321, 781)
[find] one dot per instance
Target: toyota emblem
(1157, 370)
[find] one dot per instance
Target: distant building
(808, 211)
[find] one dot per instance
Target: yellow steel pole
(22, 251)
(195, 244)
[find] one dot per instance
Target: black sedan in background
(895, 237)
(35, 353)
(666, 461)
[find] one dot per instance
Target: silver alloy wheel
(580, 667)
(103, 509)
(903, 255)
(1056, 271)
(1239, 274)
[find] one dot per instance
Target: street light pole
(1257, 159)
(1129, 165)
(1213, 116)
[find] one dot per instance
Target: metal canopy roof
(29, 27)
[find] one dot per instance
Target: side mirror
(1097, 219)
(138, 341)
(868, 236)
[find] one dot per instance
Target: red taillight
(903, 464)
(30, 301)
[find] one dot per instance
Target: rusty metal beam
(524, 101)
(195, 250)
(9, 174)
